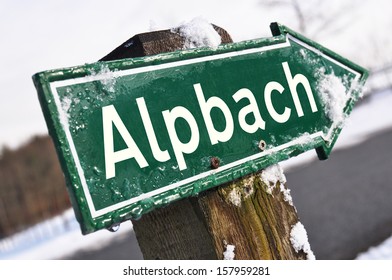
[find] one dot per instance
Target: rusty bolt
(214, 162)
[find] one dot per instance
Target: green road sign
(136, 134)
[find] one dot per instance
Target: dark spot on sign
(215, 162)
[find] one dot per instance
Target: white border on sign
(63, 116)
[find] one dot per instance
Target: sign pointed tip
(322, 153)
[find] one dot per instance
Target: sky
(42, 35)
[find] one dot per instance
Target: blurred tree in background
(32, 185)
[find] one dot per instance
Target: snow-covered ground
(380, 252)
(56, 238)
(60, 236)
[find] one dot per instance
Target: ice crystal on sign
(304, 139)
(332, 91)
(66, 103)
(198, 33)
(299, 240)
(106, 77)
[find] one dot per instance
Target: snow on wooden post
(256, 215)
(250, 218)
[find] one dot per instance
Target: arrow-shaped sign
(136, 134)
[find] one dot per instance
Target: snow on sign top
(136, 134)
(198, 33)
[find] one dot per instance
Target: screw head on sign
(214, 162)
(262, 145)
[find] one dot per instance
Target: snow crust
(198, 33)
(286, 194)
(235, 197)
(229, 253)
(332, 91)
(107, 77)
(303, 140)
(299, 240)
(65, 103)
(271, 176)
(240, 193)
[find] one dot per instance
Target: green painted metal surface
(136, 134)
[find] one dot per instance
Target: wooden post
(248, 213)
(253, 216)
